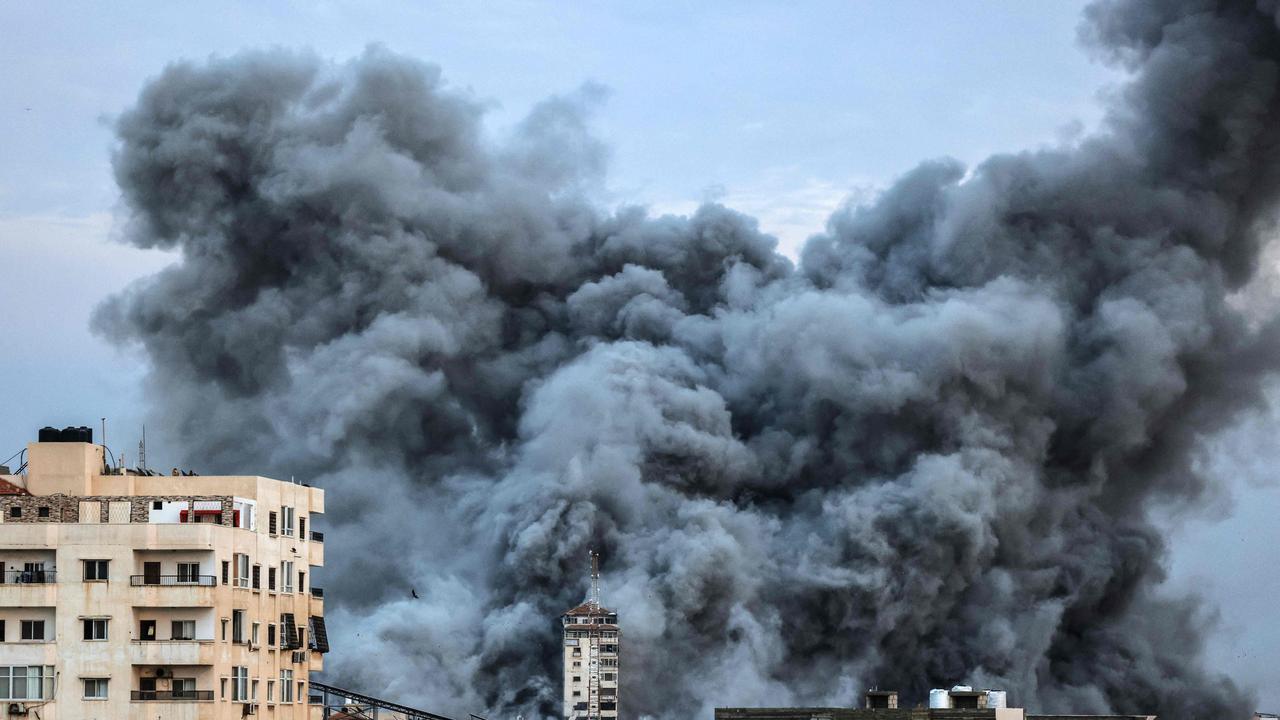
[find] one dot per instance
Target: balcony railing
(35, 577)
(317, 536)
(317, 592)
(174, 580)
(171, 695)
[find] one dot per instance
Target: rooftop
(589, 608)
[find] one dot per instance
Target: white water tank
(939, 699)
(996, 699)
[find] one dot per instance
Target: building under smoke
(938, 446)
(592, 640)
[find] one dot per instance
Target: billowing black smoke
(929, 454)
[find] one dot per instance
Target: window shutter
(319, 635)
(271, 523)
(226, 572)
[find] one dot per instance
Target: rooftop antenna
(142, 449)
(595, 578)
(104, 437)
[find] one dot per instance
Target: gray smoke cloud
(929, 453)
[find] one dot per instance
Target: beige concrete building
(144, 596)
(591, 642)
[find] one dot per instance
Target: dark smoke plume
(928, 454)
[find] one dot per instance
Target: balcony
(173, 590)
(315, 553)
(174, 580)
(38, 591)
(30, 577)
(171, 695)
(172, 652)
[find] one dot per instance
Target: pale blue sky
(780, 110)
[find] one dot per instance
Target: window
(271, 691)
(26, 682)
(271, 523)
(95, 629)
(188, 572)
(257, 576)
(271, 634)
(242, 570)
(286, 576)
(95, 688)
(608, 676)
(32, 629)
(1, 631)
(222, 688)
(224, 629)
(226, 573)
(302, 527)
(302, 691)
(286, 526)
(576, 664)
(184, 688)
(183, 630)
(253, 635)
(271, 578)
(146, 630)
(237, 626)
(302, 582)
(15, 512)
(157, 504)
(239, 683)
(43, 511)
(253, 691)
(577, 693)
(286, 686)
(95, 570)
(577, 678)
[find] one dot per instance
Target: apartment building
(591, 642)
(129, 594)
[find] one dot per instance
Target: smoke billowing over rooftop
(928, 453)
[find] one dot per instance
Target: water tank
(939, 699)
(996, 699)
(962, 688)
(49, 434)
(80, 434)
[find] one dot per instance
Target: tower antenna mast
(595, 578)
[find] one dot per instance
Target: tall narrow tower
(591, 640)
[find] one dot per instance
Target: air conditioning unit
(249, 709)
(164, 672)
(17, 709)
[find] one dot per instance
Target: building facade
(136, 595)
(591, 651)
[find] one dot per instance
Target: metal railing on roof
(327, 690)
